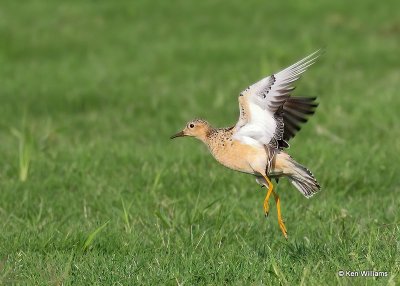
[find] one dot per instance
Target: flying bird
(269, 117)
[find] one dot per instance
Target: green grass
(106, 198)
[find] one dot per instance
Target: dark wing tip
(297, 110)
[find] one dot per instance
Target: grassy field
(92, 191)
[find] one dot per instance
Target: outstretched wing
(262, 106)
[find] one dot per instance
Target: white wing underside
(258, 104)
(259, 130)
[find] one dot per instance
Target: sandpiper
(269, 118)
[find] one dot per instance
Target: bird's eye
(191, 125)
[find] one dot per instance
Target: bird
(269, 116)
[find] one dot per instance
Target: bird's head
(195, 128)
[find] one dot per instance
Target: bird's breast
(238, 156)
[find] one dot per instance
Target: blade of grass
(278, 272)
(89, 240)
(126, 217)
(66, 271)
(24, 151)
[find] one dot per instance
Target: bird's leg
(270, 190)
(280, 220)
(278, 206)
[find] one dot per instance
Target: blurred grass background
(92, 191)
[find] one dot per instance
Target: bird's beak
(179, 134)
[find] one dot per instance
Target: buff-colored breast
(237, 155)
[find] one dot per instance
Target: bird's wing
(296, 111)
(261, 105)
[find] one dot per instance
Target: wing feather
(296, 108)
(263, 114)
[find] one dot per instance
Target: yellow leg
(270, 190)
(278, 206)
(280, 220)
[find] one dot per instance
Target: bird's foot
(283, 228)
(266, 208)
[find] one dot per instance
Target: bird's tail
(303, 179)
